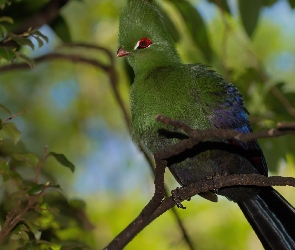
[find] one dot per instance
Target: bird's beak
(121, 52)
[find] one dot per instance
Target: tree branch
(114, 83)
(155, 209)
(47, 14)
(158, 205)
(109, 69)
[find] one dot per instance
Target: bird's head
(144, 39)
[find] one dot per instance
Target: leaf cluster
(34, 214)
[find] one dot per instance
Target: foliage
(72, 109)
(36, 214)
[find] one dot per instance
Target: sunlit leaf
(6, 18)
(77, 203)
(249, 11)
(9, 130)
(29, 158)
(195, 26)
(15, 236)
(61, 29)
(24, 235)
(63, 160)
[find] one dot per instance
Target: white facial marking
(137, 44)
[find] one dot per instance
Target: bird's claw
(176, 198)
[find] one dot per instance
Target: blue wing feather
(227, 111)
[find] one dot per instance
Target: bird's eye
(143, 43)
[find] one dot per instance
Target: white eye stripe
(137, 44)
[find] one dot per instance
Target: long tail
(272, 218)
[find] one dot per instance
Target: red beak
(121, 52)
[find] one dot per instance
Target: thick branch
(197, 135)
(158, 206)
(186, 193)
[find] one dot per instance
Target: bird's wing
(224, 107)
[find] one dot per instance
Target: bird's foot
(176, 198)
(213, 178)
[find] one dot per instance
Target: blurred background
(72, 107)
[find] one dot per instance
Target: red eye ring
(143, 43)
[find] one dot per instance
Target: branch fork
(159, 204)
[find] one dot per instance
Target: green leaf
(61, 29)
(222, 4)
(269, 3)
(27, 59)
(6, 19)
(77, 203)
(63, 160)
(7, 53)
(24, 235)
(3, 107)
(29, 158)
(249, 11)
(4, 170)
(9, 130)
(3, 33)
(22, 40)
(292, 4)
(4, 2)
(39, 34)
(39, 40)
(36, 189)
(196, 26)
(15, 236)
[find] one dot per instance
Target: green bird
(201, 98)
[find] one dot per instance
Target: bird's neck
(147, 64)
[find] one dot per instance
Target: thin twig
(13, 116)
(109, 69)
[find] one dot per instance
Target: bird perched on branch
(201, 98)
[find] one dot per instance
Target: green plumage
(163, 85)
(202, 99)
